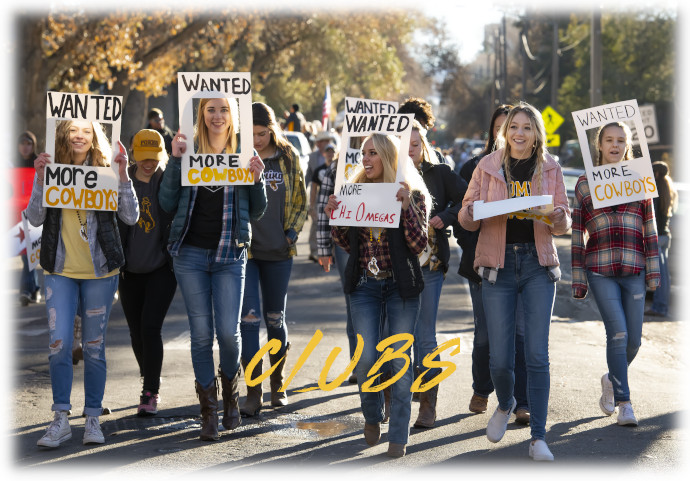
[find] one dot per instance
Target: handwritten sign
(80, 187)
(370, 205)
(22, 235)
(217, 169)
(83, 187)
(624, 181)
(515, 205)
(33, 242)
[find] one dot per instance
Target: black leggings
(145, 301)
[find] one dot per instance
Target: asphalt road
(320, 432)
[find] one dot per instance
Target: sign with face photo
(89, 123)
(213, 106)
(371, 204)
(617, 171)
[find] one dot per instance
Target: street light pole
(596, 60)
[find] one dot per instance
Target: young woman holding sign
(518, 256)
(274, 238)
(614, 250)
(447, 190)
(383, 276)
(208, 242)
(81, 254)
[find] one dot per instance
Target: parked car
(570, 177)
(302, 145)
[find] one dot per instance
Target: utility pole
(523, 51)
(504, 63)
(596, 60)
(554, 66)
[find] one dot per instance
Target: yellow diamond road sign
(552, 119)
(553, 140)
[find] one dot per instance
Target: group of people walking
(230, 250)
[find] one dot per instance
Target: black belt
(381, 275)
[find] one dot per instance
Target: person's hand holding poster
(617, 173)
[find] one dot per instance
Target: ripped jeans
(271, 277)
(621, 304)
(94, 299)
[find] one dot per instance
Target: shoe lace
(92, 424)
(54, 427)
(625, 410)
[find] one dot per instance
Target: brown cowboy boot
(427, 408)
(231, 398)
(208, 399)
(278, 398)
(254, 400)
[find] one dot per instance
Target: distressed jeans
(94, 299)
(521, 275)
(212, 293)
(425, 331)
(621, 304)
(265, 286)
(372, 302)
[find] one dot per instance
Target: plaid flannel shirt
(324, 242)
(614, 243)
(415, 234)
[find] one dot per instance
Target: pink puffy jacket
(488, 184)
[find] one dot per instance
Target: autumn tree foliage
(292, 55)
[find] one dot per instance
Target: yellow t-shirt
(78, 260)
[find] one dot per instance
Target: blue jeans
(481, 375)
(28, 283)
(64, 297)
(621, 304)
(521, 275)
(371, 302)
(272, 278)
(663, 292)
(425, 332)
(212, 293)
(341, 256)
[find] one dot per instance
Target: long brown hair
(63, 148)
(201, 131)
(668, 196)
(264, 116)
(538, 149)
(628, 140)
(490, 145)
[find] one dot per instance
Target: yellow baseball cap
(149, 144)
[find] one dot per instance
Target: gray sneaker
(58, 431)
(606, 402)
(92, 431)
(499, 423)
(626, 416)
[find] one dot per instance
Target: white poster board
(33, 242)
(353, 105)
(372, 205)
(217, 169)
(624, 181)
(516, 206)
(23, 235)
(75, 186)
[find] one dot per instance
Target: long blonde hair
(99, 153)
(201, 131)
(426, 148)
(387, 147)
(539, 149)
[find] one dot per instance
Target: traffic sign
(553, 140)
(552, 119)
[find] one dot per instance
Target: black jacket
(406, 270)
(467, 239)
(447, 190)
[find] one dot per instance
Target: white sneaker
(606, 402)
(626, 416)
(539, 451)
(499, 423)
(92, 431)
(58, 431)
